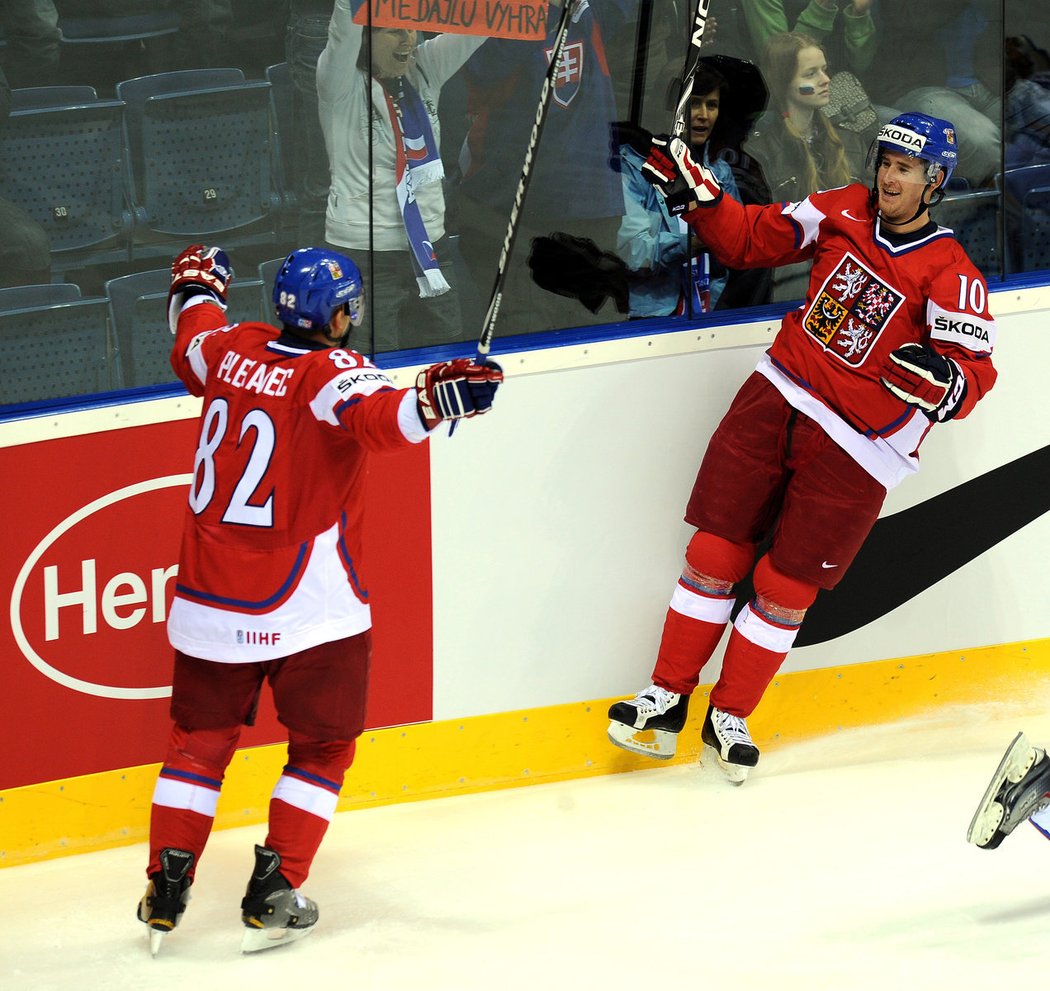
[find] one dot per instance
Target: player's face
(901, 184)
(393, 52)
(703, 112)
(811, 84)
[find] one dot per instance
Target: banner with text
(525, 20)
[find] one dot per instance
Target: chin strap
(935, 198)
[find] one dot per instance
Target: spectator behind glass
(847, 32)
(1026, 136)
(670, 271)
(386, 77)
(25, 252)
(30, 28)
(1027, 85)
(572, 187)
(795, 144)
(934, 58)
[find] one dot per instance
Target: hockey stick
(692, 63)
(488, 328)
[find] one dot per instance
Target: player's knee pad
(327, 758)
(780, 596)
(204, 748)
(716, 561)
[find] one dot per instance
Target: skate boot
(727, 736)
(272, 910)
(649, 723)
(166, 895)
(1019, 788)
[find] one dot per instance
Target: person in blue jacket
(669, 270)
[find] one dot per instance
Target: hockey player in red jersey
(269, 585)
(893, 338)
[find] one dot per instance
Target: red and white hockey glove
(921, 376)
(455, 390)
(683, 183)
(206, 270)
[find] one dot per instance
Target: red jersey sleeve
(196, 323)
(751, 236)
(960, 325)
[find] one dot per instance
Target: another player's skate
(1019, 788)
(273, 912)
(649, 723)
(166, 895)
(728, 739)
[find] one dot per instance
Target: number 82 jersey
(270, 562)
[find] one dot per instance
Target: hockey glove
(921, 376)
(683, 184)
(454, 390)
(201, 268)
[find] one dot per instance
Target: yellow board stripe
(506, 750)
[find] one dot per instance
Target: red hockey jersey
(868, 294)
(271, 550)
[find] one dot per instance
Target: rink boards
(521, 570)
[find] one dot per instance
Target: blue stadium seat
(62, 165)
(36, 97)
(975, 219)
(1026, 191)
(21, 297)
(140, 321)
(36, 370)
(198, 160)
(118, 28)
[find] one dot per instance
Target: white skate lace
(733, 728)
(654, 699)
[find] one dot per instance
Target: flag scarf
(418, 164)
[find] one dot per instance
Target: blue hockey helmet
(930, 139)
(312, 284)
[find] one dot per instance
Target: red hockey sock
(700, 608)
(187, 791)
(747, 670)
(762, 635)
(686, 646)
(304, 802)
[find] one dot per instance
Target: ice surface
(840, 864)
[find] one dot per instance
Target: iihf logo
(258, 638)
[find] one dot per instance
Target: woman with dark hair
(670, 271)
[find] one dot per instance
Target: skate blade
(1014, 765)
(156, 937)
(656, 743)
(736, 773)
(266, 939)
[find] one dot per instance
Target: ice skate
(273, 912)
(166, 895)
(1019, 788)
(728, 739)
(649, 723)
